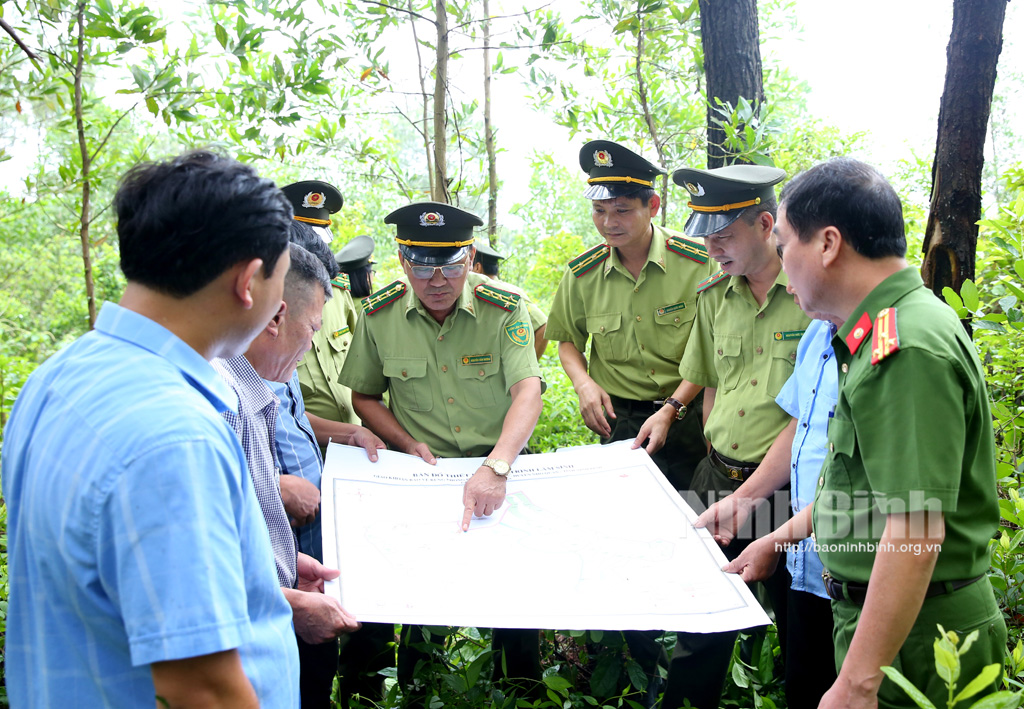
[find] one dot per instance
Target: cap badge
(431, 219)
(602, 158)
(697, 190)
(313, 200)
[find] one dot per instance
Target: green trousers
(967, 609)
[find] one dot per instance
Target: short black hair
(489, 265)
(767, 204)
(181, 223)
(303, 234)
(305, 273)
(853, 197)
(644, 194)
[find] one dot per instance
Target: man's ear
(244, 279)
(831, 245)
(274, 326)
(766, 222)
(654, 204)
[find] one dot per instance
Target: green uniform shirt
(537, 317)
(912, 432)
(746, 353)
(322, 391)
(638, 327)
(448, 384)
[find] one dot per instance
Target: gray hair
(304, 273)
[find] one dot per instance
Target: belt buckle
(734, 473)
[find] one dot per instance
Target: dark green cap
(719, 196)
(355, 254)
(433, 233)
(313, 202)
(615, 171)
(487, 255)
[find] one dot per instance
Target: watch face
(498, 466)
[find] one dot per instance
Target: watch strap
(499, 466)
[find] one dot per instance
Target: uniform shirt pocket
(609, 340)
(729, 360)
(677, 320)
(781, 366)
(408, 383)
(479, 383)
(340, 340)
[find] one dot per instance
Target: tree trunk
(492, 158)
(951, 235)
(424, 128)
(732, 62)
(80, 123)
(440, 86)
(641, 91)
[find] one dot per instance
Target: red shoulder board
(690, 249)
(506, 300)
(886, 340)
(859, 333)
(385, 296)
(711, 280)
(588, 259)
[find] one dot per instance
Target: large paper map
(588, 538)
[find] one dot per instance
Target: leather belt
(734, 469)
(856, 593)
(632, 405)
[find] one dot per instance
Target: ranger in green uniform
(633, 300)
(742, 350)
(356, 261)
(907, 500)
(486, 264)
(327, 401)
(456, 358)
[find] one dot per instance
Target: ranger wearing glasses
(456, 357)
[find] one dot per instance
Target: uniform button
(719, 351)
(805, 424)
(792, 355)
(440, 338)
(638, 318)
(845, 368)
(444, 368)
(813, 390)
(759, 350)
(753, 382)
(734, 446)
(404, 373)
(831, 447)
(481, 373)
(451, 400)
(821, 480)
(458, 429)
(637, 289)
(642, 348)
(602, 328)
(760, 316)
(676, 320)
(742, 412)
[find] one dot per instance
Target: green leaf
(912, 691)
(606, 675)
(1018, 266)
(222, 35)
(596, 636)
(954, 300)
(947, 664)
(969, 292)
(988, 325)
(476, 667)
(985, 678)
(557, 683)
(739, 676)
(999, 700)
(637, 676)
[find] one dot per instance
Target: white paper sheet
(588, 538)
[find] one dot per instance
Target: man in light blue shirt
(796, 457)
(139, 562)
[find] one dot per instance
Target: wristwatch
(679, 406)
(499, 466)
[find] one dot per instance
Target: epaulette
(506, 300)
(690, 249)
(385, 296)
(588, 259)
(886, 340)
(711, 280)
(341, 281)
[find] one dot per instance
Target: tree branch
(400, 9)
(17, 40)
(109, 131)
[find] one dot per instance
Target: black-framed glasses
(453, 270)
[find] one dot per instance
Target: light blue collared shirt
(134, 534)
(299, 454)
(810, 397)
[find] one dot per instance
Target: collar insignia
(886, 340)
(858, 333)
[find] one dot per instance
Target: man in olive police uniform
(742, 350)
(356, 261)
(455, 355)
(327, 401)
(486, 264)
(633, 298)
(911, 439)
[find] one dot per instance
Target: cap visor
(432, 255)
(703, 224)
(610, 191)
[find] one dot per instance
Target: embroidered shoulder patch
(519, 333)
(690, 249)
(588, 259)
(341, 281)
(886, 339)
(711, 280)
(506, 300)
(385, 296)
